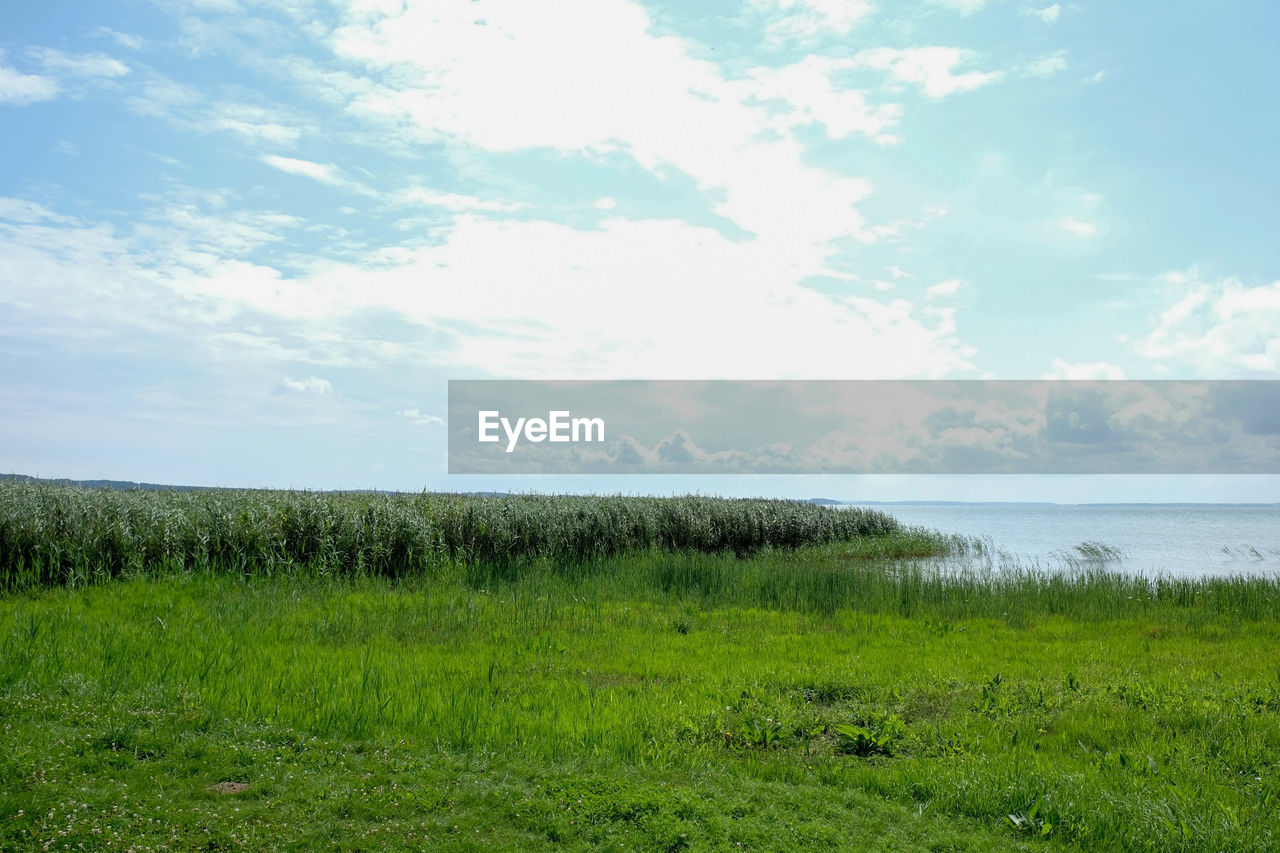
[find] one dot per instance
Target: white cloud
(325, 173)
(452, 201)
(950, 287)
(929, 67)
(1078, 227)
(180, 224)
(420, 419)
(812, 91)
(21, 89)
(504, 296)
(812, 96)
(252, 122)
(805, 20)
(413, 223)
(530, 298)
(187, 108)
(1062, 369)
(964, 7)
(529, 79)
(1046, 66)
(605, 203)
(897, 272)
(613, 287)
(1221, 329)
(160, 97)
(125, 40)
(21, 210)
(1048, 14)
(310, 385)
(328, 86)
(78, 65)
(227, 7)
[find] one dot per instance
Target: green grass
(858, 694)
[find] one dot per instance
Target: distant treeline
(118, 485)
(52, 534)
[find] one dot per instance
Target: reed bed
(54, 535)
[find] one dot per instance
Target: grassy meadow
(263, 671)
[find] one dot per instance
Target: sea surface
(1174, 539)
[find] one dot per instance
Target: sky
(247, 243)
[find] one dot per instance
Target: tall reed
(52, 535)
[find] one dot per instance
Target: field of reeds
(54, 535)
(267, 671)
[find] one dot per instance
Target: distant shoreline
(128, 485)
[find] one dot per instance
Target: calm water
(1181, 539)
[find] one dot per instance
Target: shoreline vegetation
(59, 535)
(221, 670)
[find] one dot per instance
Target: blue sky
(246, 243)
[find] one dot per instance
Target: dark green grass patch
(236, 786)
